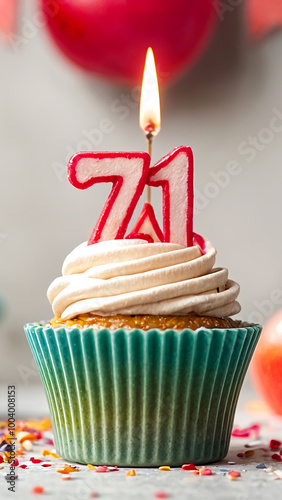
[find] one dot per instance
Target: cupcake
(142, 364)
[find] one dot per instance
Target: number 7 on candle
(174, 173)
(127, 171)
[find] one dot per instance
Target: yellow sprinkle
(54, 455)
(131, 473)
(164, 467)
(91, 467)
(249, 453)
(45, 452)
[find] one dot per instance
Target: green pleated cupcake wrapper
(136, 398)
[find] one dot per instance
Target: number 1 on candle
(174, 173)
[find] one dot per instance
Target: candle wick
(149, 137)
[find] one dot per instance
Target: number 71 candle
(130, 172)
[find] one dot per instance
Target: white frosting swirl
(136, 277)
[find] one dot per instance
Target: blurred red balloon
(110, 37)
(266, 366)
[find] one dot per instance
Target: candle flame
(150, 111)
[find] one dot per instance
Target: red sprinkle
(277, 457)
(15, 462)
(46, 465)
(240, 455)
(38, 490)
(35, 460)
(23, 466)
(234, 473)
(93, 495)
(246, 432)
(1, 459)
(188, 467)
(205, 472)
(274, 445)
(101, 468)
(281, 452)
(50, 441)
(161, 494)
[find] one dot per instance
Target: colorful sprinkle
(164, 467)
(245, 432)
(277, 457)
(91, 467)
(101, 468)
(205, 472)
(189, 467)
(66, 478)
(1, 459)
(240, 455)
(196, 472)
(37, 490)
(23, 466)
(46, 465)
(274, 444)
(260, 466)
(161, 494)
(233, 474)
(35, 460)
(249, 453)
(131, 473)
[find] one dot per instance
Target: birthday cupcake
(142, 364)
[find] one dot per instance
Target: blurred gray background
(228, 108)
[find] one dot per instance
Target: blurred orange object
(263, 16)
(266, 366)
(8, 14)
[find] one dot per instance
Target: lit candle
(150, 109)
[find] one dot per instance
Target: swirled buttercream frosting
(136, 277)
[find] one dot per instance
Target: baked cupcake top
(132, 276)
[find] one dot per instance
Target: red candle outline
(166, 194)
(146, 212)
(117, 181)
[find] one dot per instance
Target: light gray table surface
(177, 484)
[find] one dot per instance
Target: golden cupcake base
(145, 322)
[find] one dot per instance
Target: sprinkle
(231, 463)
(45, 452)
(53, 454)
(46, 465)
(27, 445)
(245, 432)
(240, 455)
(1, 459)
(66, 478)
(93, 495)
(101, 468)
(251, 444)
(10, 477)
(233, 474)
(278, 473)
(113, 469)
(277, 457)
(38, 490)
(188, 467)
(260, 466)
(23, 466)
(131, 473)
(224, 470)
(50, 442)
(15, 462)
(161, 494)
(205, 472)
(164, 467)
(91, 467)
(196, 472)
(274, 444)
(249, 453)
(268, 469)
(35, 460)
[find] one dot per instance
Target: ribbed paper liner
(136, 398)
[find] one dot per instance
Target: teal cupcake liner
(136, 398)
